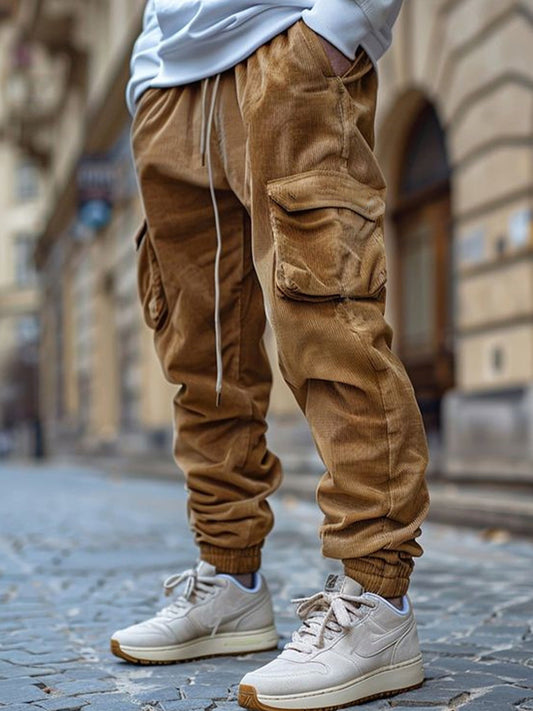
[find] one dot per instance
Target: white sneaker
(352, 646)
(215, 615)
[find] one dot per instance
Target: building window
(26, 180)
(25, 274)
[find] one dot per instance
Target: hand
(339, 62)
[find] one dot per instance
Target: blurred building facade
(21, 206)
(455, 137)
(100, 385)
(455, 140)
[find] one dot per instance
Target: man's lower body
(265, 177)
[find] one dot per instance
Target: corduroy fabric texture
(301, 202)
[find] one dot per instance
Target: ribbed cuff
(235, 561)
(376, 576)
(341, 22)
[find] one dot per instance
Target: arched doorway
(424, 265)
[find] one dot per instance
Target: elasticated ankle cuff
(386, 579)
(233, 561)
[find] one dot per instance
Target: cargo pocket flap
(322, 188)
(328, 239)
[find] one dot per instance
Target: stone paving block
(441, 692)
(85, 686)
(82, 670)
(500, 630)
(164, 675)
(432, 635)
(80, 573)
(512, 655)
(507, 694)
(12, 671)
(233, 693)
(526, 646)
(21, 690)
(521, 610)
(39, 648)
(498, 698)
(59, 656)
(458, 665)
(212, 690)
(62, 704)
(516, 673)
(52, 680)
(480, 705)
(10, 644)
(454, 649)
(433, 672)
(110, 702)
(470, 681)
(159, 694)
(185, 705)
(378, 705)
(493, 642)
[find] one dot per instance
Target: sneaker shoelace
(324, 616)
(197, 588)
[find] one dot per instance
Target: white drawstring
(205, 85)
(205, 149)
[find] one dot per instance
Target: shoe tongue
(206, 569)
(342, 584)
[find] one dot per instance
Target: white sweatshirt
(183, 41)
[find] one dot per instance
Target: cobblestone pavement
(82, 553)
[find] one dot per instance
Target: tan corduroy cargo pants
(299, 201)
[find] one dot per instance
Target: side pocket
(359, 67)
(149, 281)
(328, 236)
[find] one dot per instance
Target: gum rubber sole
(248, 699)
(117, 650)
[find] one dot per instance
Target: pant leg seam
(346, 315)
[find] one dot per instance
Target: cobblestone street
(83, 553)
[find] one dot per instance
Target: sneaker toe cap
(143, 636)
(286, 677)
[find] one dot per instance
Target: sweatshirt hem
(341, 22)
(344, 23)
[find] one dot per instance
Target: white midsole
(397, 677)
(222, 643)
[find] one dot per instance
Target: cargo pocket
(150, 284)
(328, 236)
